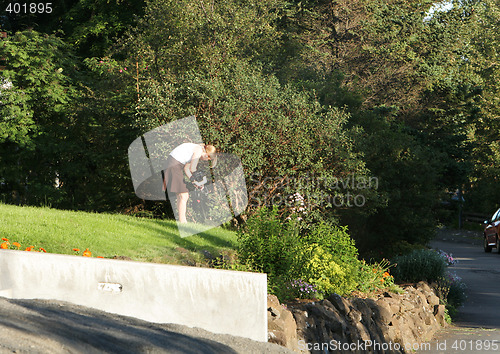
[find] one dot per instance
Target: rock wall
(389, 323)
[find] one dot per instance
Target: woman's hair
(211, 151)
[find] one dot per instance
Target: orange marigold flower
(17, 244)
(87, 253)
(30, 248)
(386, 274)
(43, 249)
(100, 257)
(4, 245)
(76, 249)
(382, 280)
(5, 239)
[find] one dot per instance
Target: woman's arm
(187, 169)
(198, 150)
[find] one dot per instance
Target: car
(492, 232)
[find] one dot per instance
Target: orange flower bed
(6, 245)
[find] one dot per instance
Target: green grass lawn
(109, 235)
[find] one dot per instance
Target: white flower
(5, 84)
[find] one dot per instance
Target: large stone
(354, 316)
(439, 314)
(418, 323)
(290, 330)
(424, 287)
(421, 299)
(394, 304)
(273, 307)
(407, 305)
(406, 324)
(340, 303)
(300, 318)
(429, 318)
(277, 337)
(281, 325)
(432, 300)
(326, 312)
(362, 306)
(318, 310)
(337, 324)
(385, 312)
(363, 333)
(302, 321)
(328, 305)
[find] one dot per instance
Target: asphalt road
(477, 327)
(39, 326)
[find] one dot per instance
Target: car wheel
(498, 244)
(487, 248)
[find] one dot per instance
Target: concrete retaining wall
(216, 300)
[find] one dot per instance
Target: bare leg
(182, 199)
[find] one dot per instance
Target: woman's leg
(164, 188)
(182, 199)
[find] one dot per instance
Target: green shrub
(452, 292)
(270, 246)
(456, 295)
(324, 256)
(321, 270)
(335, 242)
(426, 265)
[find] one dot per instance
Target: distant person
(183, 160)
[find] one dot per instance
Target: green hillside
(108, 235)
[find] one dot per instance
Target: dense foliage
(324, 259)
(419, 265)
(359, 113)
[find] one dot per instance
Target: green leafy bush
(452, 292)
(324, 257)
(321, 270)
(426, 265)
(268, 245)
(335, 249)
(321, 255)
(456, 297)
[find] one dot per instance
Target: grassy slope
(108, 235)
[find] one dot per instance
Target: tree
(287, 141)
(91, 27)
(482, 192)
(64, 130)
(34, 107)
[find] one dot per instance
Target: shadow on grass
(196, 243)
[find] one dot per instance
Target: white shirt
(184, 152)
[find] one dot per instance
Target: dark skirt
(174, 176)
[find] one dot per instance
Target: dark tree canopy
(314, 89)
